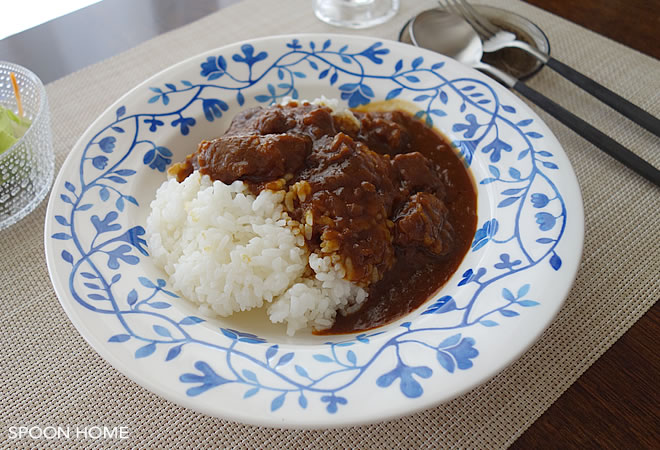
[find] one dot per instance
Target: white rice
(228, 251)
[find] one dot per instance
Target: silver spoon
(452, 36)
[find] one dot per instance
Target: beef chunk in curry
(384, 192)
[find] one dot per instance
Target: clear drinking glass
(26, 168)
(355, 13)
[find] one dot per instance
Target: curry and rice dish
(341, 221)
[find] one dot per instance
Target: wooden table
(614, 404)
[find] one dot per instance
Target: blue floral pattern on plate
(525, 243)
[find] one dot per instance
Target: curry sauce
(378, 190)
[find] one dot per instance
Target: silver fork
(494, 38)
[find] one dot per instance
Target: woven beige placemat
(49, 376)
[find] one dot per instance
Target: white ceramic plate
(509, 287)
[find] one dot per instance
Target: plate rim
(422, 403)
